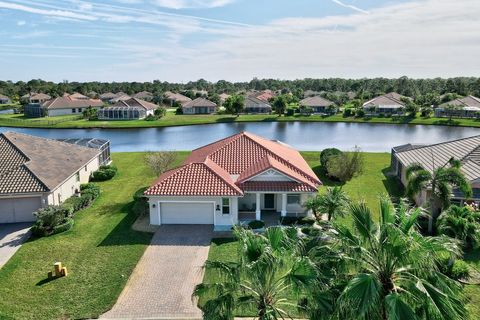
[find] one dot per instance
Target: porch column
(258, 213)
(284, 205)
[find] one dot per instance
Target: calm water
(301, 135)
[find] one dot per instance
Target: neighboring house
(467, 107)
(106, 97)
(199, 106)
(35, 98)
(467, 150)
(119, 97)
(224, 96)
(254, 105)
(4, 99)
(265, 95)
(144, 95)
(240, 175)
(131, 109)
(318, 105)
(77, 96)
(61, 106)
(387, 104)
(36, 172)
(177, 97)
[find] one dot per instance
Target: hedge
(104, 173)
(256, 224)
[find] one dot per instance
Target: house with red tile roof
(243, 174)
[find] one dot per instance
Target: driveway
(162, 283)
(12, 235)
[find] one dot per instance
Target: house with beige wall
(36, 172)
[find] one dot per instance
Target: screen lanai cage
(121, 113)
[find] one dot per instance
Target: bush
(150, 117)
(48, 218)
(326, 154)
(104, 173)
(309, 231)
(290, 112)
(360, 113)
(288, 221)
(306, 221)
(256, 224)
(160, 112)
(460, 270)
(67, 225)
(179, 110)
(347, 112)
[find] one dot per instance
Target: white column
(284, 205)
(258, 213)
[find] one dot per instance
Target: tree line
(342, 88)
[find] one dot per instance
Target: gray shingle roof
(390, 99)
(136, 103)
(316, 101)
(200, 102)
(437, 155)
(34, 164)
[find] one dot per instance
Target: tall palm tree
(393, 268)
(270, 267)
(440, 184)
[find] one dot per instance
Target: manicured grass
(171, 119)
(100, 253)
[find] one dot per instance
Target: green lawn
(171, 119)
(100, 252)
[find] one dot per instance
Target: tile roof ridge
(208, 163)
(214, 142)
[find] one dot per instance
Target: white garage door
(186, 213)
(18, 210)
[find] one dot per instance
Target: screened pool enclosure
(121, 113)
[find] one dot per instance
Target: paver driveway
(162, 283)
(12, 235)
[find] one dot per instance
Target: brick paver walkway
(162, 283)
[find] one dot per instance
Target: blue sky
(236, 40)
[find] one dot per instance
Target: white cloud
(46, 12)
(187, 4)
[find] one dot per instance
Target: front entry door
(269, 201)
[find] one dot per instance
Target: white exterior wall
(68, 187)
(67, 111)
(219, 218)
(250, 199)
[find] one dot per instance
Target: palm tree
(393, 268)
(333, 202)
(440, 184)
(460, 223)
(270, 267)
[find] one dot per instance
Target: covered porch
(271, 206)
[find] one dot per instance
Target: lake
(312, 136)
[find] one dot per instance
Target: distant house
(265, 95)
(224, 96)
(120, 97)
(317, 104)
(387, 104)
(199, 106)
(62, 106)
(4, 99)
(434, 156)
(254, 105)
(106, 97)
(36, 172)
(131, 109)
(77, 96)
(177, 97)
(35, 98)
(467, 107)
(144, 95)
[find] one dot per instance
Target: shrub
(48, 218)
(256, 224)
(346, 166)
(150, 117)
(461, 223)
(160, 112)
(288, 221)
(326, 154)
(360, 113)
(104, 173)
(309, 231)
(347, 112)
(306, 221)
(290, 112)
(67, 225)
(460, 270)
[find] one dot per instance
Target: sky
(237, 40)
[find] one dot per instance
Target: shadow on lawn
(392, 184)
(123, 234)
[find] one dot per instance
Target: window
(225, 206)
(77, 176)
(79, 109)
(293, 199)
(85, 168)
(74, 110)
